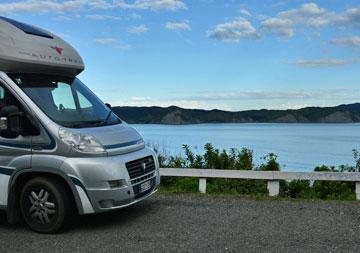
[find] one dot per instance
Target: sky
(209, 54)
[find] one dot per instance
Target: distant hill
(175, 115)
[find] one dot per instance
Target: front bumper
(93, 176)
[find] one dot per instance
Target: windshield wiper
(102, 122)
(94, 123)
(79, 124)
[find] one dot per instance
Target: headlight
(83, 143)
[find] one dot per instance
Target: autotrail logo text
(48, 57)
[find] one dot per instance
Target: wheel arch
(20, 177)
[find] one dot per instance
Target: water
(300, 147)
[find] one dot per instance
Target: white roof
(25, 48)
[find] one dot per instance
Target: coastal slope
(349, 113)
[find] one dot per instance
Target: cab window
(2, 92)
(61, 98)
(66, 100)
(8, 100)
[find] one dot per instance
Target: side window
(83, 101)
(7, 98)
(63, 97)
(28, 125)
(2, 92)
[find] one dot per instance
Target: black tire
(44, 215)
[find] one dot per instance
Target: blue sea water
(300, 147)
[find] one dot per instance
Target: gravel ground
(194, 223)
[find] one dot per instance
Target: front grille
(140, 167)
(140, 179)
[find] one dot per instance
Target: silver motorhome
(61, 148)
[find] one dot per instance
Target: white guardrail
(273, 177)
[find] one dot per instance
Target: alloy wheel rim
(41, 208)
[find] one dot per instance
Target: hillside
(174, 115)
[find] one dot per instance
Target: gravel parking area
(195, 223)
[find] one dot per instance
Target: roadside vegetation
(235, 159)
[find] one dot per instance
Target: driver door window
(7, 99)
(2, 92)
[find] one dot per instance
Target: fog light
(107, 203)
(117, 183)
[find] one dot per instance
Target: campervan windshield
(66, 101)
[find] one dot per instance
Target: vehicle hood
(116, 138)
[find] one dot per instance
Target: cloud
(62, 18)
(288, 106)
(118, 44)
(303, 13)
(328, 62)
(276, 95)
(180, 26)
(219, 95)
(102, 4)
(138, 29)
(163, 102)
(42, 6)
(134, 16)
(229, 100)
(102, 17)
(245, 12)
(282, 27)
(284, 23)
(233, 31)
(352, 41)
(105, 41)
(349, 17)
(171, 5)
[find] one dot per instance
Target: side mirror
(10, 122)
(108, 106)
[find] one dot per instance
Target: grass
(251, 197)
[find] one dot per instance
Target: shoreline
(250, 123)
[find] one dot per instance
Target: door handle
(37, 148)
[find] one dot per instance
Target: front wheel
(44, 205)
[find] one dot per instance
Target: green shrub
(298, 189)
(211, 159)
(243, 160)
(236, 186)
(271, 163)
(333, 189)
(179, 184)
(356, 154)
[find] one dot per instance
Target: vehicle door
(15, 151)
